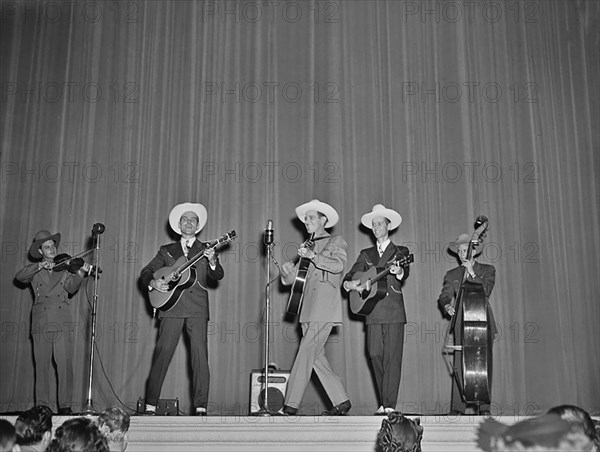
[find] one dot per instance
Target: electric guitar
(363, 300)
(297, 292)
(180, 276)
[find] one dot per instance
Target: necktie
(187, 248)
(379, 250)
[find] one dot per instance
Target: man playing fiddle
(476, 273)
(52, 319)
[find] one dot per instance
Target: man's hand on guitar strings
(352, 285)
(160, 285)
(211, 255)
(306, 252)
(287, 269)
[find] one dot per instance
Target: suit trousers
(53, 341)
(311, 356)
(385, 344)
(168, 338)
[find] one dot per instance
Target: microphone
(97, 229)
(268, 236)
(481, 219)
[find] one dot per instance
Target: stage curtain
(113, 112)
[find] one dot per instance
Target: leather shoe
(289, 410)
(149, 413)
(67, 411)
(338, 410)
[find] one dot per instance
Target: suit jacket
(51, 290)
(486, 276)
(194, 300)
(389, 309)
(322, 300)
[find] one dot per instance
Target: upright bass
(473, 337)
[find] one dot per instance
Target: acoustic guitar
(180, 276)
(297, 292)
(371, 289)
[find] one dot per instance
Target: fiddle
(66, 262)
(72, 264)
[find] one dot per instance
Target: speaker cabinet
(277, 385)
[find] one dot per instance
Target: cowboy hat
(325, 209)
(464, 238)
(39, 239)
(180, 209)
(379, 210)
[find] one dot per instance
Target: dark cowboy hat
(39, 239)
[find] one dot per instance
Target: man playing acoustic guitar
(385, 323)
(321, 309)
(190, 310)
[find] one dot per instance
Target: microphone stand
(265, 410)
(88, 408)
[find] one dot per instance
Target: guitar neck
(380, 275)
(405, 260)
(191, 262)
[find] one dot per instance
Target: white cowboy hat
(40, 238)
(325, 209)
(379, 210)
(180, 209)
(464, 238)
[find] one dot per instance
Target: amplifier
(277, 385)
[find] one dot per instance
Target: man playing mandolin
(385, 322)
(190, 309)
(321, 309)
(482, 275)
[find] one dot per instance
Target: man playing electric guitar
(191, 310)
(385, 323)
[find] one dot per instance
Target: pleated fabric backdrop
(114, 112)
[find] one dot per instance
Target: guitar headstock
(231, 235)
(310, 242)
(405, 260)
